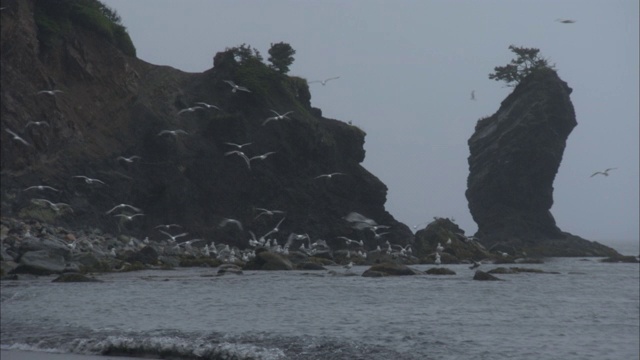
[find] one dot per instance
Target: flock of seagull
(128, 213)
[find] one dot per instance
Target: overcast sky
(407, 69)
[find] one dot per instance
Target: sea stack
(514, 158)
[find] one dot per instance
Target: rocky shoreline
(35, 248)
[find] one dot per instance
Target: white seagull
(173, 132)
(235, 87)
(275, 229)
(167, 226)
(173, 237)
(122, 206)
(16, 137)
(262, 157)
(241, 154)
(50, 92)
(324, 82)
(56, 207)
(438, 262)
(329, 176)
(605, 173)
(208, 106)
(277, 117)
(239, 146)
(128, 159)
(268, 212)
(89, 180)
(190, 109)
(226, 221)
(40, 187)
(349, 265)
(36, 123)
(128, 217)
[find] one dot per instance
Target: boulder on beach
(40, 262)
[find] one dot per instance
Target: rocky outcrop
(483, 276)
(514, 158)
(456, 246)
(266, 260)
(114, 105)
(390, 269)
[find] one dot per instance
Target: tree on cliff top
(525, 63)
(281, 57)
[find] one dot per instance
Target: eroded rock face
(514, 158)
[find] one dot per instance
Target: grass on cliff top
(55, 18)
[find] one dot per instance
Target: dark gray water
(588, 311)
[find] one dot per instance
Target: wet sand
(37, 355)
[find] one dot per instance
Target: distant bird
(89, 180)
(565, 21)
(235, 87)
(190, 109)
(262, 157)
(123, 206)
(449, 241)
(40, 187)
(173, 132)
(167, 226)
(605, 173)
(36, 123)
(275, 229)
(128, 217)
(241, 154)
(359, 221)
(268, 212)
(208, 106)
(324, 82)
(173, 237)
(277, 117)
(235, 222)
(128, 159)
(439, 248)
(50, 92)
(475, 265)
(17, 138)
(239, 146)
(56, 207)
(349, 265)
(329, 176)
(438, 261)
(473, 94)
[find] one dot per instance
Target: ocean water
(590, 310)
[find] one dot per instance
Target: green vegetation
(526, 62)
(55, 18)
(281, 57)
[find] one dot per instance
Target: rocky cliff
(114, 105)
(514, 158)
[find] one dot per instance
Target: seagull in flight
(40, 187)
(275, 229)
(56, 207)
(226, 221)
(173, 237)
(268, 212)
(329, 176)
(208, 106)
(473, 94)
(123, 206)
(128, 217)
(605, 173)
(50, 92)
(167, 226)
(262, 157)
(89, 180)
(565, 21)
(277, 117)
(241, 154)
(324, 82)
(16, 137)
(128, 159)
(239, 146)
(190, 109)
(235, 87)
(173, 132)
(37, 123)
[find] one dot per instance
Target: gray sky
(407, 69)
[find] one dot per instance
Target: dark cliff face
(514, 158)
(114, 105)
